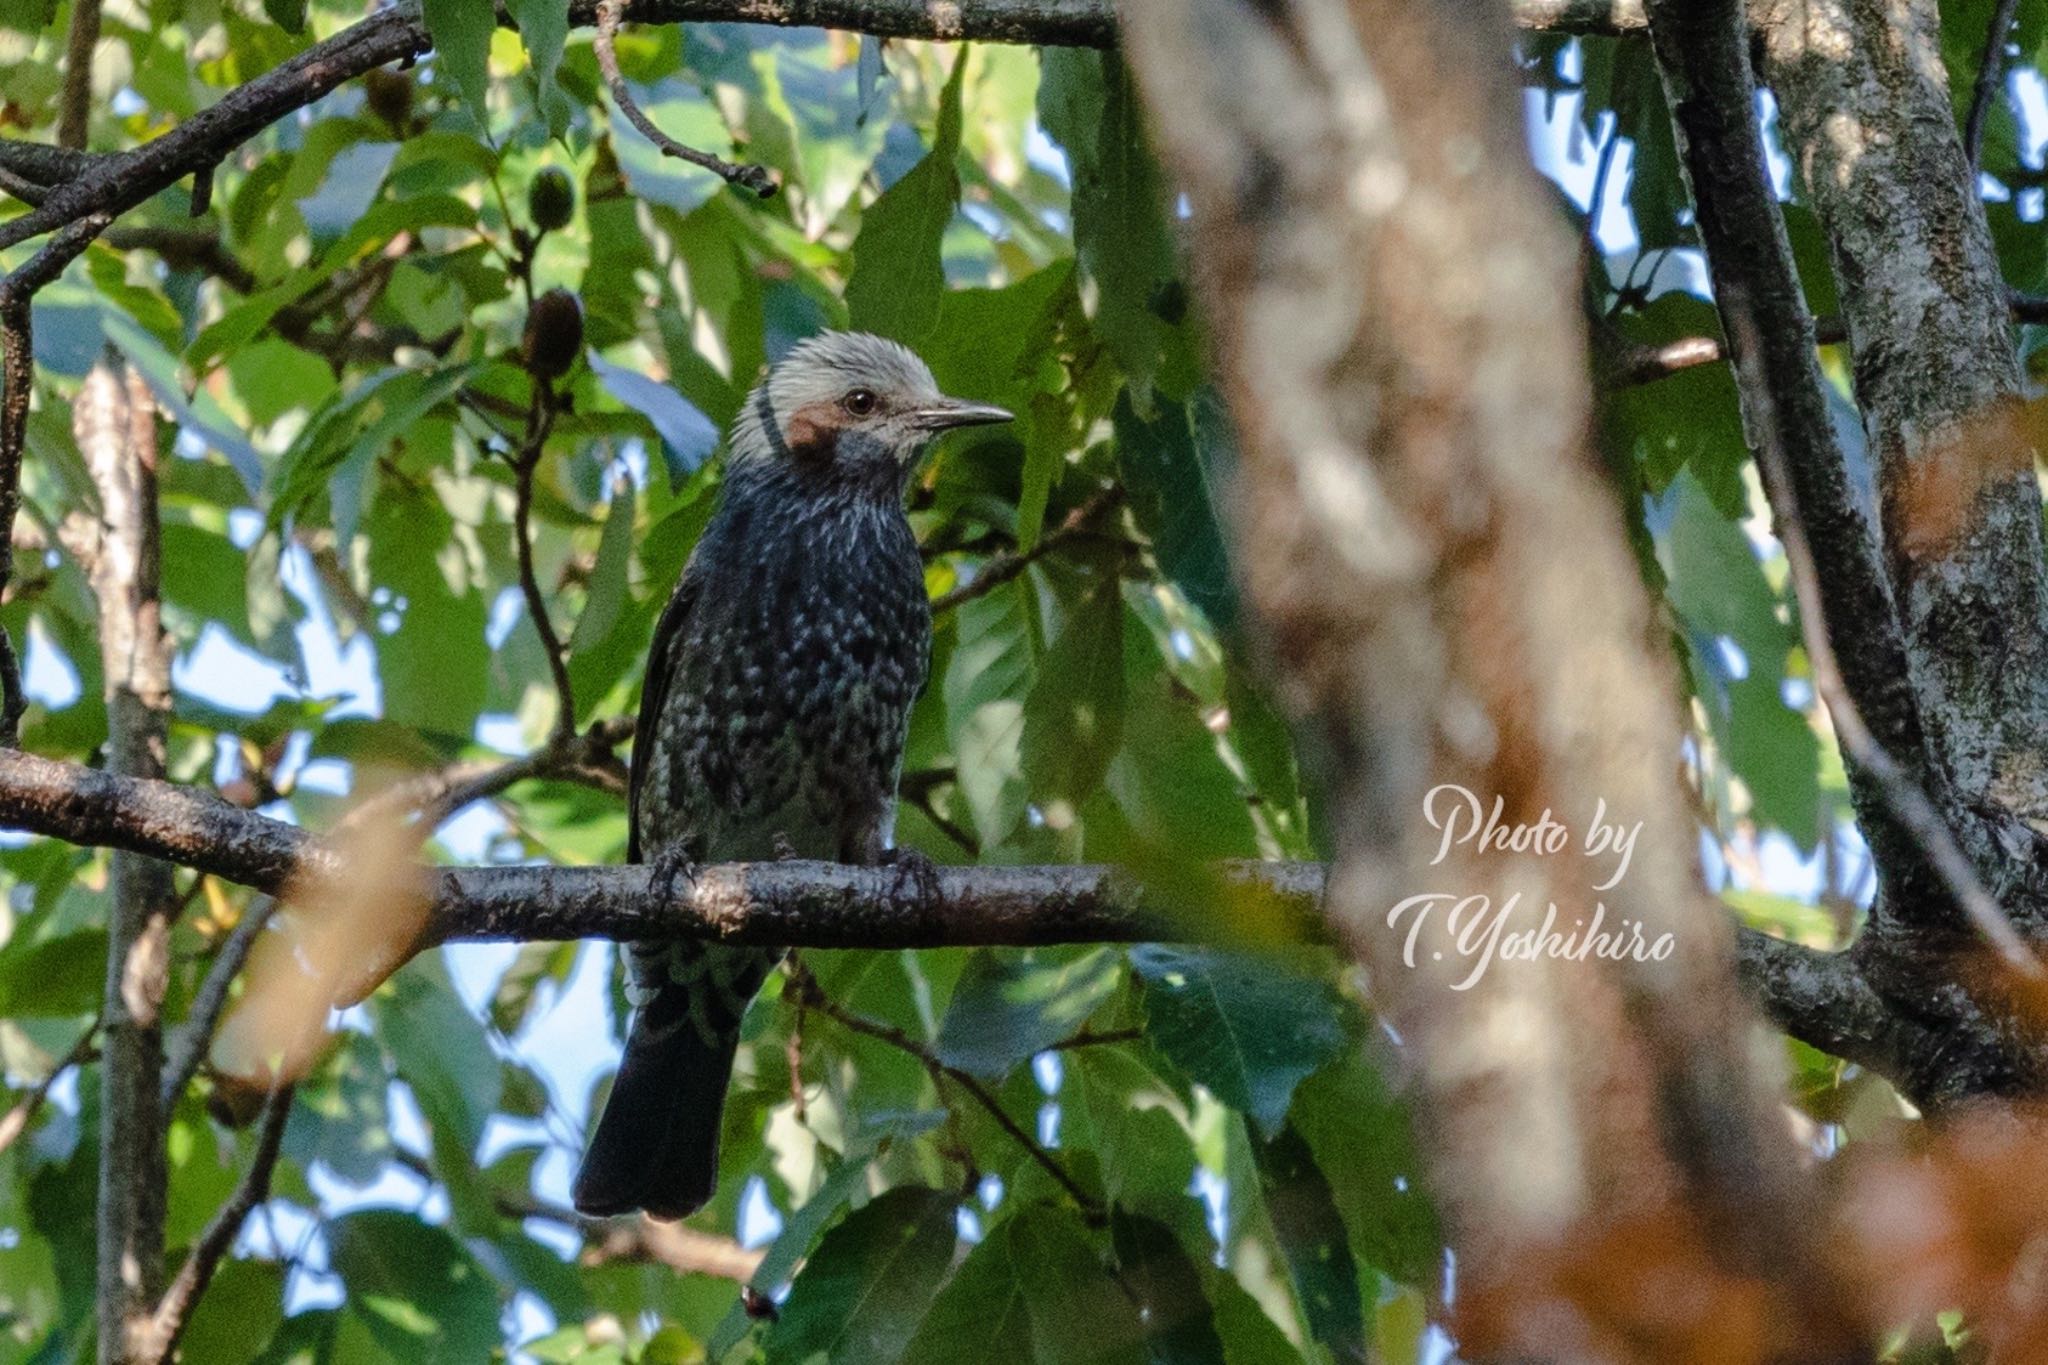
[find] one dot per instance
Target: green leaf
(1008, 1006)
(1088, 105)
(401, 399)
(461, 30)
(435, 666)
(543, 28)
(608, 577)
(441, 1051)
(687, 435)
(866, 1287)
(1249, 1336)
(1132, 1120)
(1074, 713)
(979, 1318)
(1312, 1239)
(991, 669)
(898, 276)
(341, 1118)
(55, 977)
(414, 1289)
(1356, 1128)
(1079, 1314)
(1166, 464)
(1168, 1288)
(1250, 1027)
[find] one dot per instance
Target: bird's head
(848, 410)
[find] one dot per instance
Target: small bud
(551, 198)
(554, 335)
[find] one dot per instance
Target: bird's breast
(785, 722)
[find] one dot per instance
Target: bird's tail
(656, 1147)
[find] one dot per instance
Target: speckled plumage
(772, 723)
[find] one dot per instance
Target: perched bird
(772, 721)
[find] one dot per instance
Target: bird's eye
(859, 402)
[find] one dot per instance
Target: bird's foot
(670, 866)
(915, 872)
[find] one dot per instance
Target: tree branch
(811, 994)
(1820, 998)
(747, 176)
(540, 420)
(1704, 57)
(1414, 583)
(1853, 628)
(15, 1121)
(167, 1324)
(1004, 567)
(1938, 384)
(76, 185)
(195, 1036)
(796, 903)
(115, 422)
(75, 105)
(1907, 804)
(17, 382)
(432, 798)
(1990, 76)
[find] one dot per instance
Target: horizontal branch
(73, 184)
(833, 905)
(1817, 997)
(802, 904)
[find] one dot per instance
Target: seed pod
(554, 335)
(389, 95)
(551, 198)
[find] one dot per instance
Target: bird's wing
(675, 618)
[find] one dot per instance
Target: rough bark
(1867, 120)
(803, 904)
(115, 421)
(1440, 575)
(1904, 798)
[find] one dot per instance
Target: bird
(772, 720)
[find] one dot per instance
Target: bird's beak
(943, 414)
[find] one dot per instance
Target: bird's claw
(915, 871)
(670, 866)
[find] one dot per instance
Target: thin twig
(1636, 363)
(15, 1121)
(17, 379)
(813, 995)
(1990, 76)
(196, 1274)
(638, 1238)
(204, 1016)
(432, 798)
(1908, 803)
(1002, 568)
(745, 175)
(922, 800)
(540, 420)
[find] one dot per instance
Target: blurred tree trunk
(1442, 577)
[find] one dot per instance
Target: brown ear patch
(813, 431)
